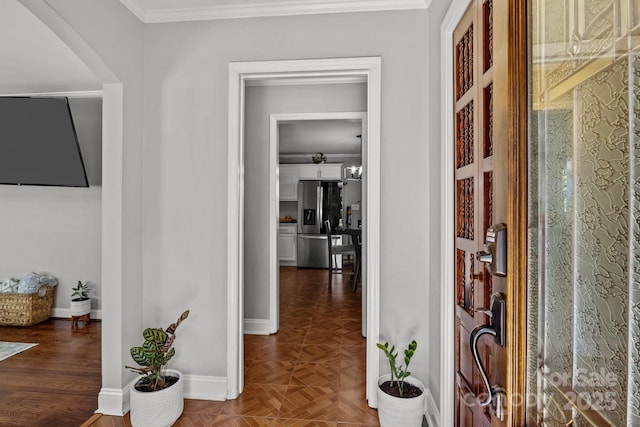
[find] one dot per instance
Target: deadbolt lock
(495, 255)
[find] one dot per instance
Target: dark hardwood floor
(311, 373)
(54, 384)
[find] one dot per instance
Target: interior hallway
(311, 373)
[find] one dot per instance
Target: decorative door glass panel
(584, 217)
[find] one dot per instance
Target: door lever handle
(496, 394)
(497, 317)
(496, 328)
(477, 332)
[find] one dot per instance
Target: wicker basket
(26, 309)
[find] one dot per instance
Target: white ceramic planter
(395, 411)
(158, 408)
(79, 308)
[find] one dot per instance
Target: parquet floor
(54, 384)
(311, 373)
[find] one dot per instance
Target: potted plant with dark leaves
(157, 398)
(80, 300)
(401, 398)
(319, 158)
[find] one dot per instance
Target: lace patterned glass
(584, 218)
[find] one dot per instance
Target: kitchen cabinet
(321, 171)
(290, 174)
(288, 182)
(287, 241)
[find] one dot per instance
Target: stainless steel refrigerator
(318, 201)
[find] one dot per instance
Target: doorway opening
(239, 75)
(341, 137)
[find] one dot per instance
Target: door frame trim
(274, 190)
(239, 74)
(447, 381)
(518, 204)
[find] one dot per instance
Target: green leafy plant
(318, 158)
(81, 291)
(398, 372)
(153, 356)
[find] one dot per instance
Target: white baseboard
(205, 388)
(65, 313)
(256, 327)
(432, 414)
(112, 401)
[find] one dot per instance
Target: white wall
(261, 101)
(56, 230)
(176, 179)
(186, 172)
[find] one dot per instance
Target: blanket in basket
(28, 283)
(29, 302)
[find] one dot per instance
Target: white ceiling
(34, 59)
(149, 11)
(325, 136)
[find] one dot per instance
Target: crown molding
(68, 94)
(275, 8)
(135, 8)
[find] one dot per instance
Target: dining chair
(334, 250)
(357, 244)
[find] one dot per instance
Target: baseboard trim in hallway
(432, 415)
(256, 326)
(311, 373)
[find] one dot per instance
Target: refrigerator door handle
(312, 236)
(300, 206)
(320, 203)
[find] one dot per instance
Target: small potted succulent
(318, 158)
(157, 398)
(80, 299)
(401, 398)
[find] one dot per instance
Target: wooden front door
(489, 120)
